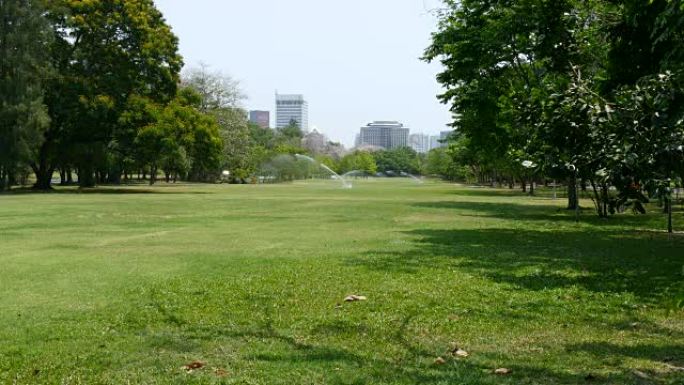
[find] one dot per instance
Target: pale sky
(355, 61)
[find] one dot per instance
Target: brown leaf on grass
(220, 372)
(458, 352)
(502, 371)
(355, 298)
(193, 366)
(440, 361)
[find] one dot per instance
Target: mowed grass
(127, 285)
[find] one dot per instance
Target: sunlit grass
(129, 284)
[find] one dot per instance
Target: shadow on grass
(411, 364)
(646, 265)
(671, 354)
(119, 190)
(539, 212)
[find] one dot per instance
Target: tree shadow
(414, 365)
(103, 190)
(644, 264)
(536, 212)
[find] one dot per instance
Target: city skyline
(349, 74)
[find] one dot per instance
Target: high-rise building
(420, 143)
(292, 108)
(434, 142)
(386, 134)
(444, 135)
(262, 118)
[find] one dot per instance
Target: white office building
(385, 134)
(420, 143)
(291, 108)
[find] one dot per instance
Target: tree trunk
(86, 175)
(43, 179)
(668, 202)
(4, 180)
(153, 175)
(604, 190)
(523, 182)
(532, 186)
(597, 199)
(573, 199)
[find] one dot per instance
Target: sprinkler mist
(345, 183)
(415, 178)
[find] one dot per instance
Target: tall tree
(23, 64)
(105, 52)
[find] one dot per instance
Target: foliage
(545, 83)
(183, 142)
(104, 53)
(361, 161)
(24, 35)
(396, 161)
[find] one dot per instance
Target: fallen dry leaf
(193, 366)
(458, 352)
(220, 372)
(354, 298)
(440, 361)
(674, 368)
(641, 374)
(502, 371)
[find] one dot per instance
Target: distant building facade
(385, 134)
(262, 118)
(420, 143)
(291, 108)
(444, 135)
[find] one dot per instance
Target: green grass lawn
(127, 285)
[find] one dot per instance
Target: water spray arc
(345, 183)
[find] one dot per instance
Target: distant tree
(24, 35)
(292, 131)
(182, 141)
(238, 145)
(358, 161)
(217, 90)
(403, 159)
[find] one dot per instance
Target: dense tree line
(93, 91)
(590, 92)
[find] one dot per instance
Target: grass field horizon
(129, 284)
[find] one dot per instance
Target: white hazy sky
(354, 60)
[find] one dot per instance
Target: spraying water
(345, 183)
(354, 173)
(415, 178)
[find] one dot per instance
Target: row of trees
(94, 89)
(573, 90)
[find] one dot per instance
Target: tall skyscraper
(420, 143)
(386, 134)
(434, 142)
(292, 108)
(262, 118)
